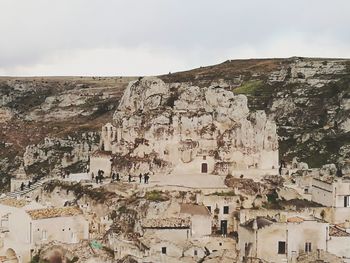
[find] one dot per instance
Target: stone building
(20, 177)
(100, 160)
(222, 210)
(339, 242)
(25, 226)
(333, 193)
(200, 219)
(272, 241)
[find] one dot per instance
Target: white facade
(331, 194)
(23, 234)
(221, 209)
(101, 161)
(339, 243)
(281, 241)
(200, 219)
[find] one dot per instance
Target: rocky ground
(308, 98)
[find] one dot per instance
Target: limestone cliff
(307, 97)
(184, 127)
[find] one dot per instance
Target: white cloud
(102, 62)
(134, 37)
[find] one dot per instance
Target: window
(163, 250)
(308, 247)
(195, 252)
(226, 209)
(44, 235)
(347, 201)
(204, 157)
(281, 247)
(209, 208)
(73, 237)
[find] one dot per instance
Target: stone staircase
(27, 190)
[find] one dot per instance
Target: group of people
(145, 177)
(99, 177)
(23, 185)
(117, 177)
(65, 174)
(29, 184)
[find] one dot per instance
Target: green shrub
(249, 87)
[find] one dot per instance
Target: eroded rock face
(53, 153)
(184, 127)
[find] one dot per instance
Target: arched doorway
(11, 256)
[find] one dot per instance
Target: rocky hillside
(308, 98)
(53, 122)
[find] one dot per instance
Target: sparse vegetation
(156, 196)
(79, 190)
(249, 87)
(229, 193)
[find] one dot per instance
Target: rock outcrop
(71, 154)
(185, 127)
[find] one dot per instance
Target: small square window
(163, 250)
(226, 209)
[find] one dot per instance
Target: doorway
(204, 168)
(223, 227)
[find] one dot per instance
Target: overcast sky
(150, 37)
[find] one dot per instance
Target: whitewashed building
(262, 238)
(333, 193)
(27, 225)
